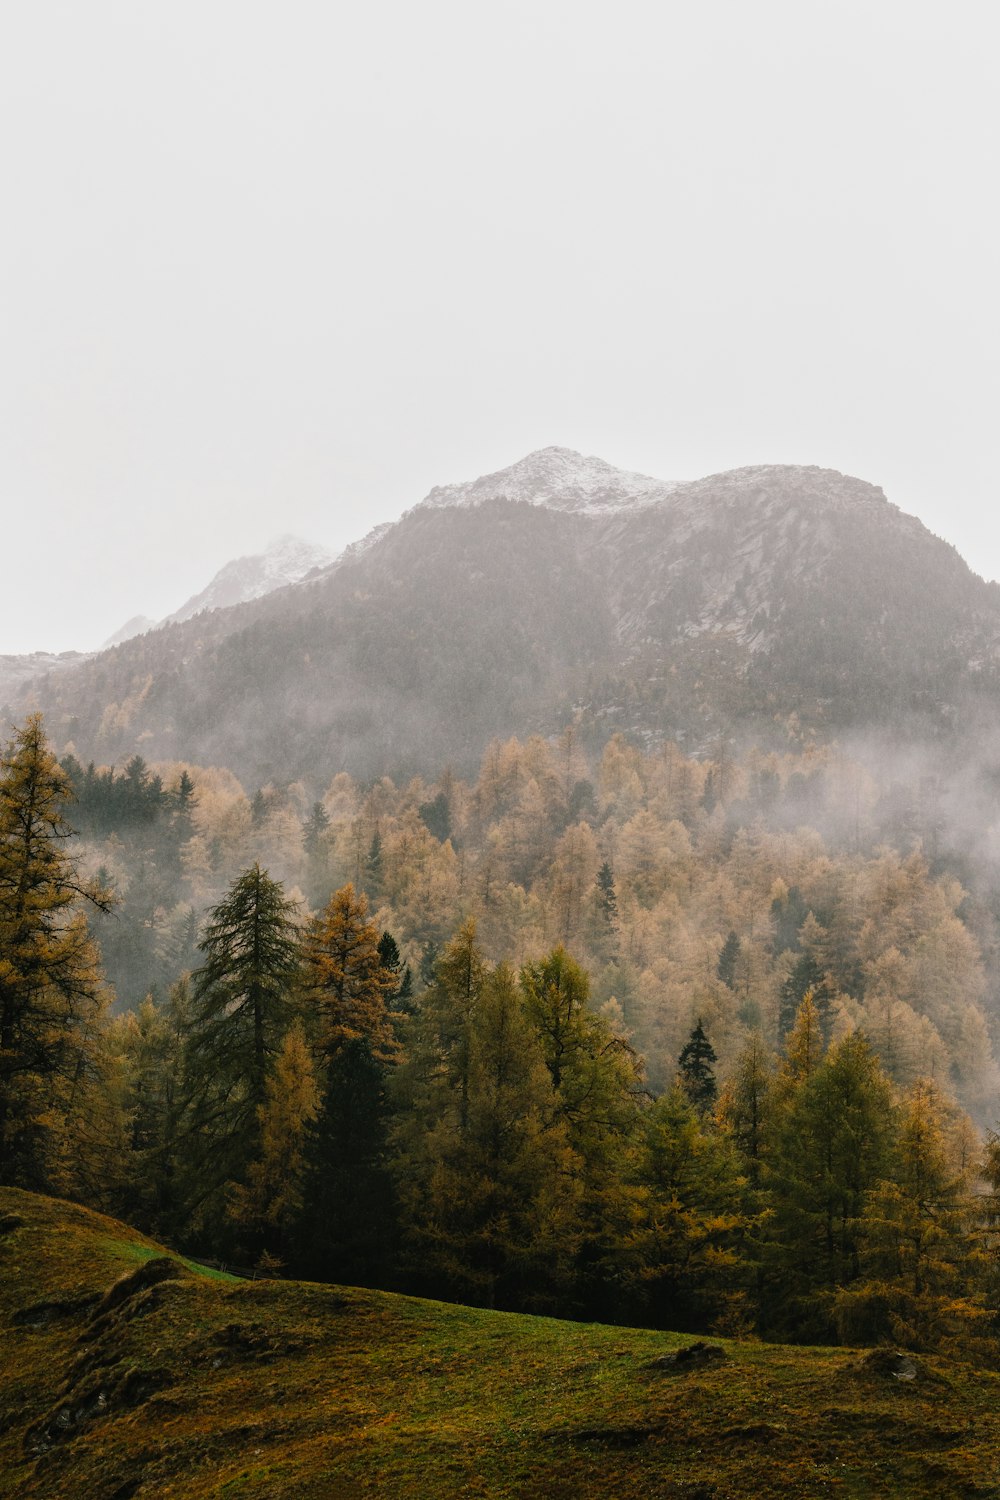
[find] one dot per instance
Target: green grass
(216, 1387)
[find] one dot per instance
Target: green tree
(746, 1104)
(685, 1252)
(487, 1181)
(697, 1075)
(51, 988)
(243, 993)
(829, 1147)
(728, 959)
(600, 1094)
(922, 1259)
(243, 1002)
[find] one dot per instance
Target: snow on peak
(560, 479)
(286, 560)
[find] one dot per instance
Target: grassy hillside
(127, 1374)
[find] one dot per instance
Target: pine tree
(696, 1072)
(805, 978)
(51, 988)
(314, 828)
(243, 992)
(607, 899)
(373, 867)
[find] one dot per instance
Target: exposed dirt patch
(692, 1357)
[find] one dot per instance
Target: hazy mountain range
(558, 589)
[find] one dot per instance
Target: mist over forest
(581, 897)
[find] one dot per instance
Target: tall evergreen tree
(696, 1071)
(242, 1004)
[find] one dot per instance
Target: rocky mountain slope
(285, 561)
(562, 589)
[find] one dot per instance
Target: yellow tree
(51, 989)
(272, 1193)
(346, 979)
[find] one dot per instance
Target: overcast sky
(283, 267)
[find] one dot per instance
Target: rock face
(559, 589)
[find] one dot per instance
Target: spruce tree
(696, 1072)
(243, 991)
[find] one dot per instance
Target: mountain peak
(561, 479)
(286, 559)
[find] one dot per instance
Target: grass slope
(124, 1375)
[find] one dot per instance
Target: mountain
(761, 600)
(138, 625)
(285, 561)
(561, 480)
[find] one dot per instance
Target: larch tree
(346, 979)
(51, 988)
(599, 1092)
(923, 1261)
(829, 1146)
(266, 1203)
(345, 1229)
(684, 1254)
(488, 1190)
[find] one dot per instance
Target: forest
(696, 1043)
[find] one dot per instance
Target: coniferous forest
(698, 1044)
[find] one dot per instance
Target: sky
(283, 267)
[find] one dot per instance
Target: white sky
(283, 267)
